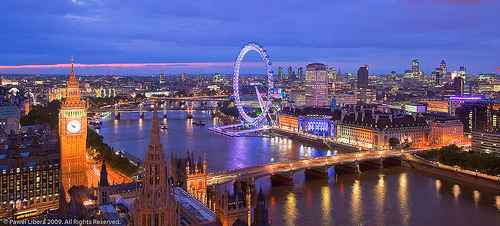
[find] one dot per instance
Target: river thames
(392, 196)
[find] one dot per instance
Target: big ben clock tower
(73, 136)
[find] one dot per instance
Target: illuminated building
(288, 122)
(317, 124)
(437, 106)
(191, 174)
(443, 69)
(281, 74)
(488, 142)
(73, 136)
(362, 90)
(56, 94)
(29, 174)
(316, 83)
(363, 77)
(371, 129)
(415, 71)
(415, 108)
(218, 78)
(103, 186)
(458, 85)
(155, 204)
(446, 131)
(235, 206)
(26, 106)
(300, 73)
(474, 112)
(346, 99)
(291, 73)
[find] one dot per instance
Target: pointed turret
(155, 128)
(103, 179)
(261, 217)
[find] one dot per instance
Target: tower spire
(72, 81)
(155, 130)
(103, 179)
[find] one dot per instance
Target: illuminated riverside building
(316, 121)
(474, 112)
(288, 122)
(318, 125)
(371, 129)
(316, 83)
(446, 131)
(29, 174)
(488, 142)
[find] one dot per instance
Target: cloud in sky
(386, 34)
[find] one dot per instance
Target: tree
(393, 142)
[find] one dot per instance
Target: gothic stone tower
(155, 204)
(196, 182)
(232, 207)
(103, 186)
(73, 136)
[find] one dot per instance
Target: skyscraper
(415, 66)
(155, 204)
(363, 77)
(443, 68)
(291, 73)
(300, 73)
(458, 85)
(73, 136)
(362, 85)
(281, 74)
(316, 85)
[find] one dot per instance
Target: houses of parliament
(170, 191)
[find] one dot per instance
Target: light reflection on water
(326, 200)
(379, 194)
(387, 197)
(403, 197)
(356, 205)
(291, 209)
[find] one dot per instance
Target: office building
(488, 142)
(29, 173)
(317, 86)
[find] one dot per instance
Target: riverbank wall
(453, 174)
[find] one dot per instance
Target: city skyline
(387, 38)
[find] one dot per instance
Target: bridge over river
(283, 171)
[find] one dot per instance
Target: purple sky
(385, 34)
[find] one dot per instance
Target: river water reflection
(393, 196)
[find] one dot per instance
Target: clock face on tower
(73, 126)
